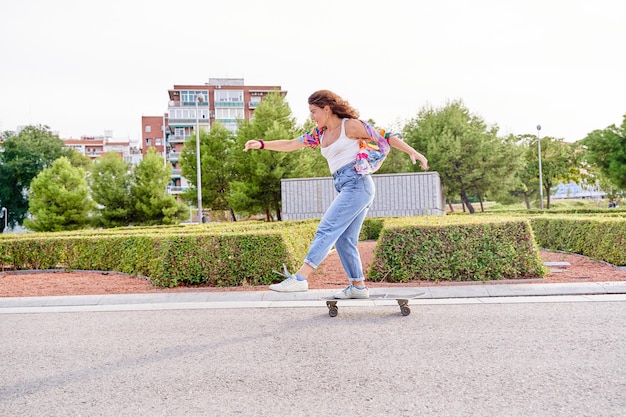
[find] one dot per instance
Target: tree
(216, 167)
(59, 198)
(257, 185)
(307, 162)
(501, 159)
(558, 162)
(22, 157)
(469, 157)
(110, 183)
(526, 184)
(78, 159)
(607, 150)
(152, 203)
(593, 177)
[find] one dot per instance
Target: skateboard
(401, 299)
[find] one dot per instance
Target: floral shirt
(372, 151)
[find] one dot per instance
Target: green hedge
(600, 238)
(455, 249)
(226, 255)
(371, 229)
(437, 248)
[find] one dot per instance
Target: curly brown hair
(338, 105)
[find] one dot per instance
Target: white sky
(83, 67)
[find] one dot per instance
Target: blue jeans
(341, 224)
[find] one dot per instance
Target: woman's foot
(353, 292)
(293, 283)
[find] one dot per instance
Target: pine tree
(152, 203)
(110, 182)
(59, 198)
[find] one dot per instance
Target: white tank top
(342, 152)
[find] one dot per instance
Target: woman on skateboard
(354, 150)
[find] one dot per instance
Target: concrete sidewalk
(197, 299)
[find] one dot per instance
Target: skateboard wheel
(332, 311)
(405, 310)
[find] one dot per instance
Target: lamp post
(5, 215)
(540, 174)
(164, 144)
(199, 99)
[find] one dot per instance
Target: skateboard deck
(401, 299)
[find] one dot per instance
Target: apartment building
(192, 107)
(152, 128)
(95, 146)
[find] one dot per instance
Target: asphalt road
(510, 359)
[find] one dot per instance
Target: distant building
(573, 190)
(223, 99)
(152, 128)
(95, 146)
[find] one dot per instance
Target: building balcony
(174, 156)
(188, 121)
(172, 189)
(178, 104)
(177, 139)
(229, 104)
(182, 122)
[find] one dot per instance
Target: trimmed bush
(371, 229)
(455, 249)
(600, 238)
(436, 248)
(225, 255)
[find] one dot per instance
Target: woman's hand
(253, 144)
(416, 156)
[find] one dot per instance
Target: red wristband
(262, 144)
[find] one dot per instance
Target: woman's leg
(347, 249)
(346, 213)
(356, 194)
(348, 252)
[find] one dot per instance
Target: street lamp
(5, 214)
(199, 99)
(164, 143)
(540, 175)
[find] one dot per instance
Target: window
(148, 128)
(148, 141)
(232, 96)
(189, 97)
(229, 113)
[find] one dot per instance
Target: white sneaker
(291, 284)
(353, 292)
